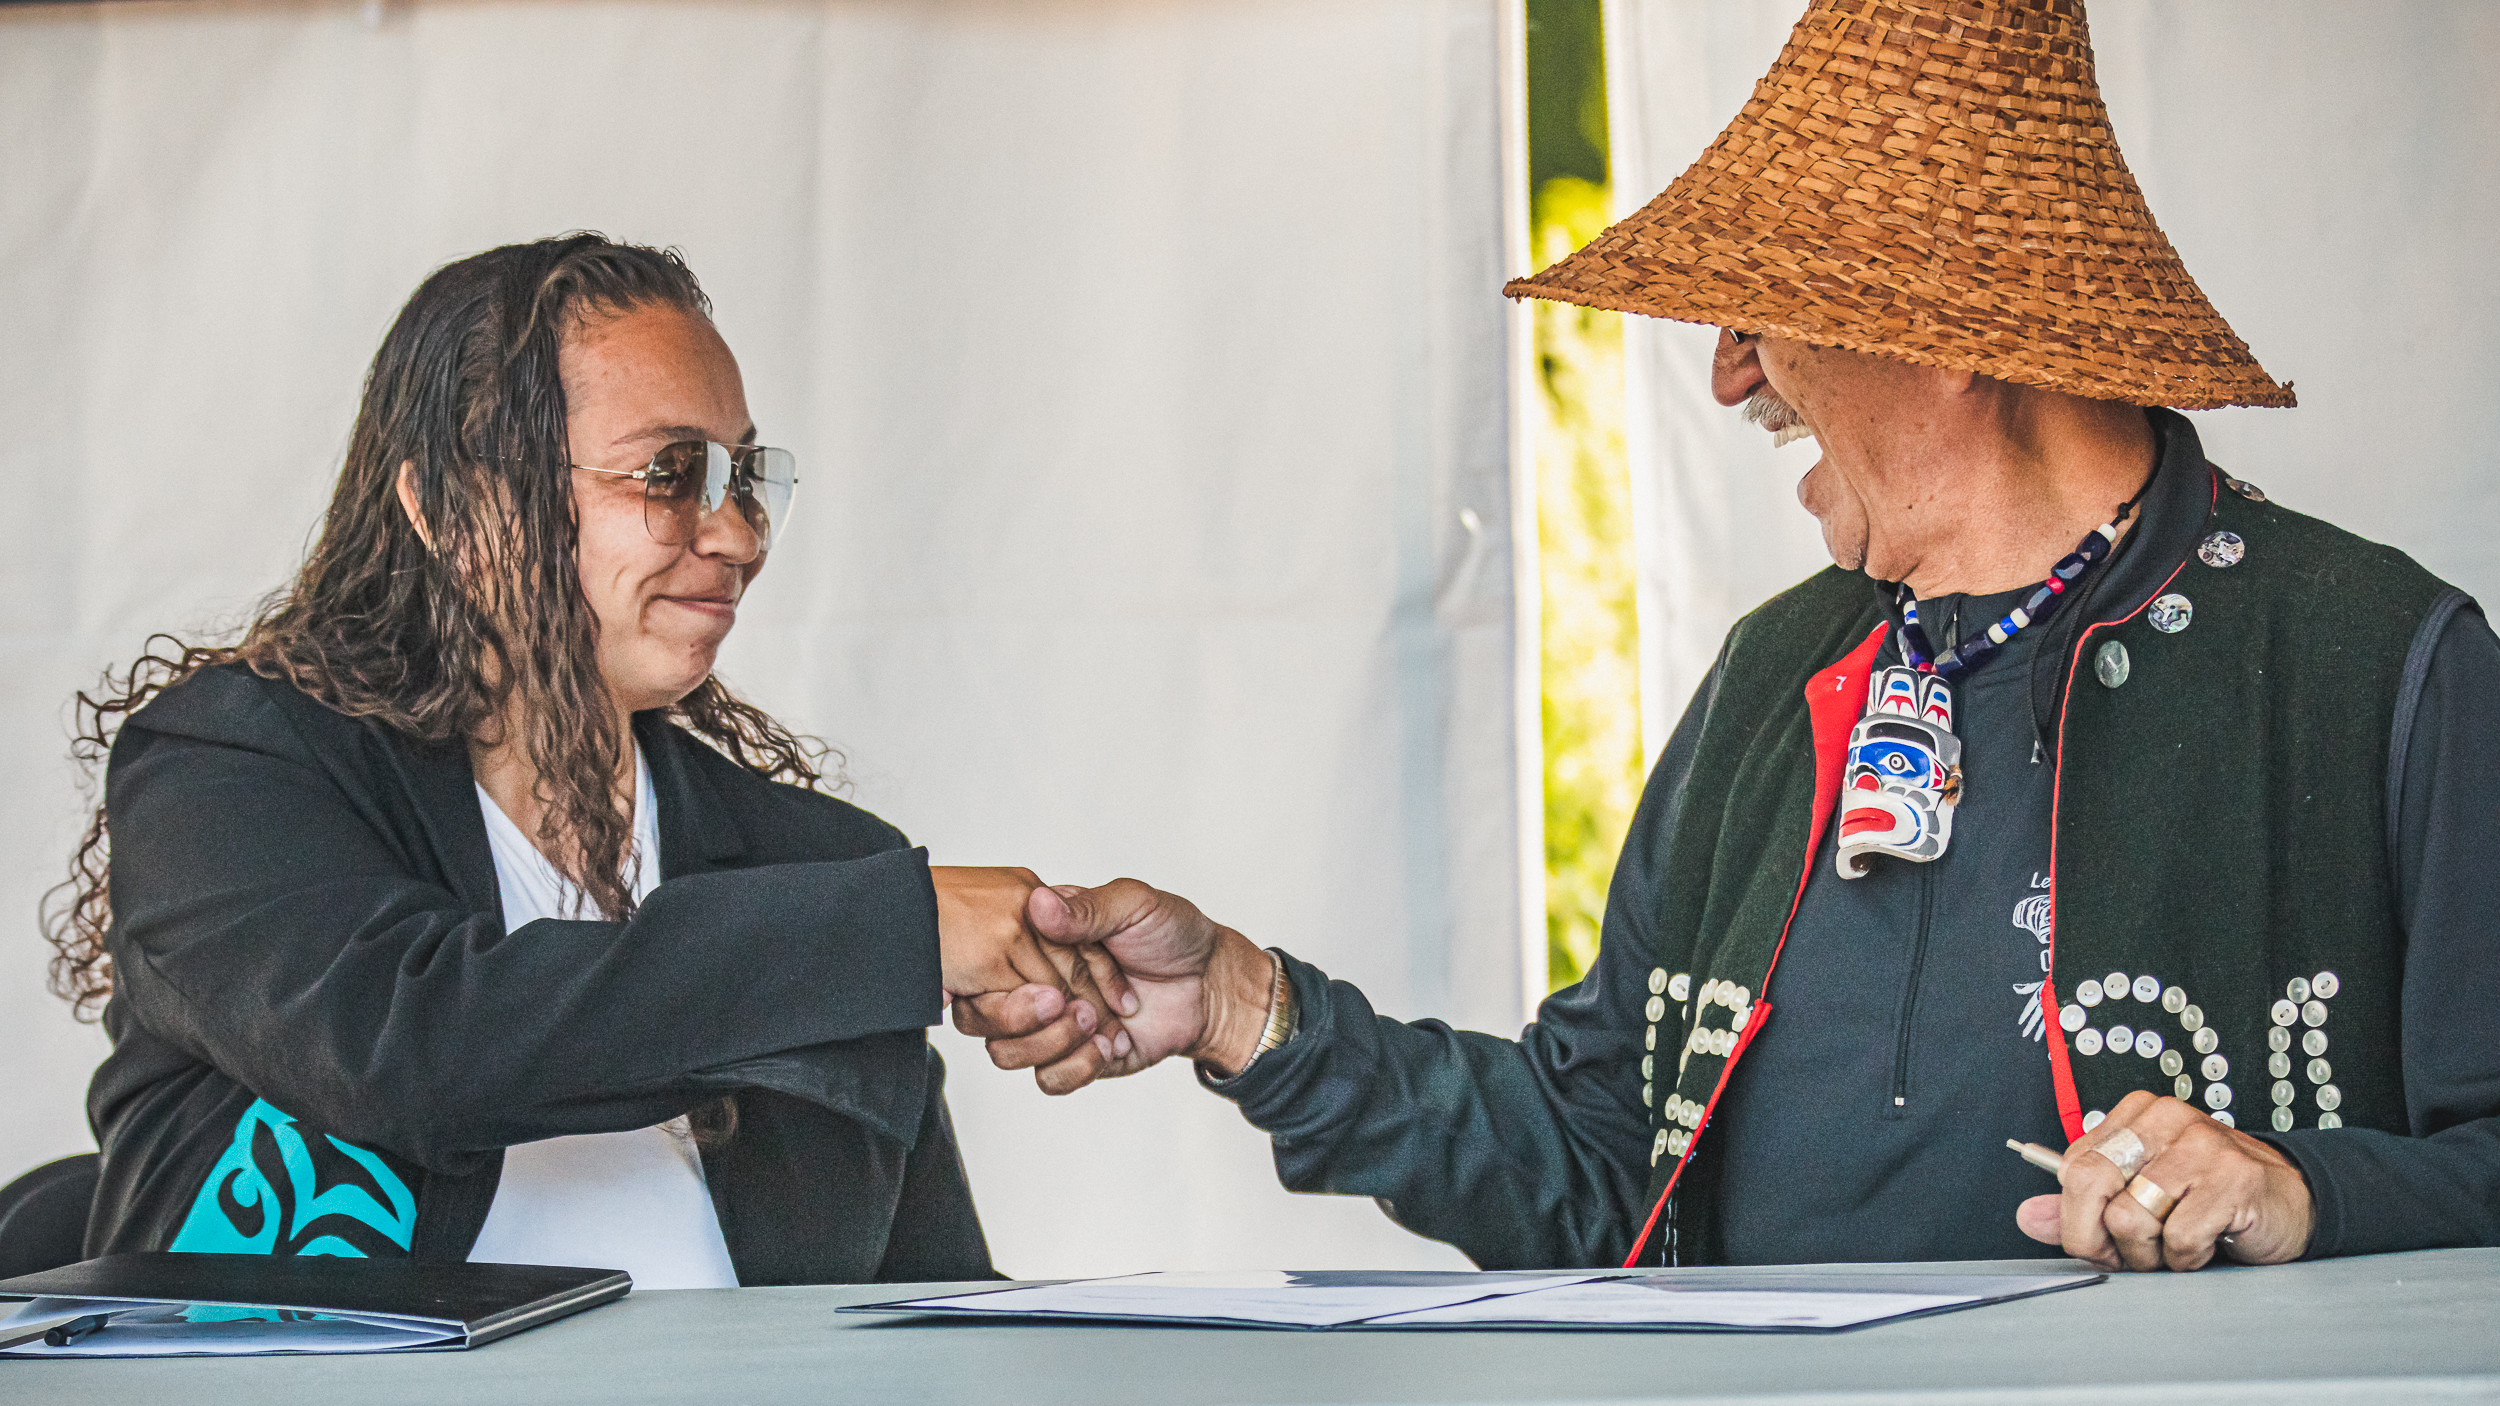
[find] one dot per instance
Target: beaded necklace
(1969, 654)
(1903, 778)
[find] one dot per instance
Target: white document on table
(1814, 1300)
(1281, 1298)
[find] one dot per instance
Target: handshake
(1079, 984)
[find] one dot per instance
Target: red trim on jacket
(1835, 700)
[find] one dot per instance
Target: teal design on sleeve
(277, 1191)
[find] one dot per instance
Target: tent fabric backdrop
(2326, 172)
(1145, 364)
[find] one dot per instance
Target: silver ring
(2124, 1150)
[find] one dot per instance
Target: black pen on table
(76, 1330)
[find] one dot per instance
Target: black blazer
(310, 962)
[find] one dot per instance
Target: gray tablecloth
(2418, 1327)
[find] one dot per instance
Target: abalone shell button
(2120, 1039)
(2221, 549)
(2205, 1039)
(2297, 988)
(2147, 989)
(2170, 613)
(2193, 1018)
(2148, 1043)
(1680, 987)
(2330, 1120)
(2314, 1013)
(2278, 1064)
(1655, 1011)
(2183, 1086)
(2281, 1119)
(2245, 489)
(2071, 1017)
(2330, 1097)
(2278, 1038)
(2324, 986)
(2313, 1043)
(2217, 1096)
(2320, 1072)
(1657, 980)
(2087, 1042)
(2286, 1012)
(2215, 1067)
(2110, 664)
(2283, 1092)
(2174, 1000)
(2088, 992)
(2172, 1062)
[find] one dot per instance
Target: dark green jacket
(2222, 816)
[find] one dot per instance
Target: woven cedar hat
(1932, 180)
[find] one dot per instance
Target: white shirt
(634, 1201)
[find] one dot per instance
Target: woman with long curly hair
(457, 910)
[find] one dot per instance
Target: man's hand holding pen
(2159, 1185)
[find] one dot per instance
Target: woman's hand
(1038, 1006)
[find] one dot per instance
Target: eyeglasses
(692, 477)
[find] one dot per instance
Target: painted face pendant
(1904, 773)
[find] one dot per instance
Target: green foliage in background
(1591, 640)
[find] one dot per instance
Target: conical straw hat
(1933, 180)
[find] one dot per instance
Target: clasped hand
(1054, 1008)
(1179, 983)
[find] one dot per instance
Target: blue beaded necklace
(1969, 654)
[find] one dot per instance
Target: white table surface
(2392, 1328)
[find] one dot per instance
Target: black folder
(181, 1304)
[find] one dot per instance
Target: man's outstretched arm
(1523, 1153)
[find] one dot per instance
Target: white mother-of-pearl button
(2147, 989)
(2114, 986)
(2088, 992)
(2297, 988)
(2087, 1042)
(2217, 1095)
(2174, 1000)
(2285, 1012)
(2205, 1040)
(2215, 1067)
(2148, 1043)
(2324, 985)
(2120, 1039)
(2313, 1043)
(2071, 1017)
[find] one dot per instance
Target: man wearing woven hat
(2125, 811)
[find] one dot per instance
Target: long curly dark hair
(380, 624)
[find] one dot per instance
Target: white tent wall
(1145, 362)
(2324, 169)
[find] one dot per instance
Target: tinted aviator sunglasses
(692, 477)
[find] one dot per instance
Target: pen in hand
(2038, 1156)
(2123, 1149)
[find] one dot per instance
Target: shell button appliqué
(2169, 614)
(2110, 664)
(2221, 549)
